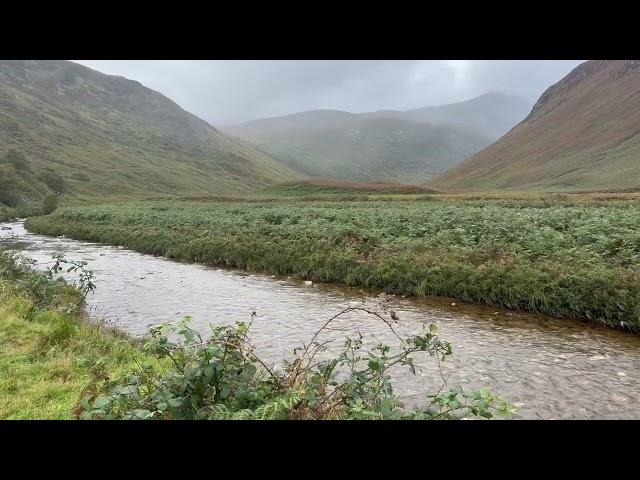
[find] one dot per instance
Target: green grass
(333, 187)
(556, 256)
(48, 356)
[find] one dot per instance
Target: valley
(385, 145)
(506, 226)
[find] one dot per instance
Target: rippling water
(549, 368)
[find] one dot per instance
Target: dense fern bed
(555, 256)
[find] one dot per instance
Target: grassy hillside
(24, 187)
(350, 147)
(583, 134)
(109, 136)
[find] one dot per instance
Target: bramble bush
(46, 288)
(221, 377)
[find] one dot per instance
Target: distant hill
(582, 134)
(490, 115)
(361, 149)
(107, 135)
(386, 145)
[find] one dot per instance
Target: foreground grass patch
(548, 255)
(49, 355)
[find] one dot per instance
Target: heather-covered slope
(582, 134)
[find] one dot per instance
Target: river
(549, 368)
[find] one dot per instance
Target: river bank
(50, 352)
(58, 364)
(550, 368)
(553, 257)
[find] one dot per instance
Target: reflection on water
(549, 368)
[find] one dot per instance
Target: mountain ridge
(127, 138)
(582, 134)
(384, 145)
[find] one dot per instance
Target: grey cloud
(225, 92)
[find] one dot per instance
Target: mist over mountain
(384, 145)
(491, 115)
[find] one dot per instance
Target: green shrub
(49, 204)
(54, 181)
(222, 378)
(17, 159)
(9, 190)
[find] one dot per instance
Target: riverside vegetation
(27, 190)
(56, 363)
(554, 255)
(49, 353)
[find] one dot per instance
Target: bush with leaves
(17, 159)
(222, 378)
(47, 288)
(49, 204)
(9, 189)
(54, 181)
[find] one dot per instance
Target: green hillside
(110, 136)
(583, 134)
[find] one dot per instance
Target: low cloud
(224, 92)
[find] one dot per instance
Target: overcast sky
(225, 92)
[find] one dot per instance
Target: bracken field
(556, 256)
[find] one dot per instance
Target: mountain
(385, 145)
(491, 115)
(582, 134)
(107, 135)
(347, 146)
